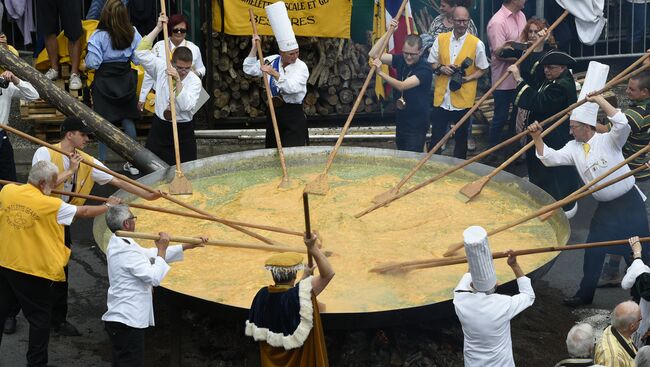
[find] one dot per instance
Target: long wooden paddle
(305, 204)
(195, 240)
(560, 203)
(171, 211)
(319, 185)
(385, 196)
(433, 263)
(135, 183)
(473, 189)
(481, 155)
(180, 185)
(269, 98)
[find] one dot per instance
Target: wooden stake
(180, 185)
(319, 185)
(269, 98)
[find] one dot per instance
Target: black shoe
(10, 325)
(66, 329)
(574, 301)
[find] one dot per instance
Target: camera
(456, 79)
(4, 83)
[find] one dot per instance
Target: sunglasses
(179, 30)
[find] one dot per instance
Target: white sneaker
(52, 74)
(131, 169)
(75, 82)
(471, 144)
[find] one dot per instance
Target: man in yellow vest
(35, 255)
(79, 178)
(459, 60)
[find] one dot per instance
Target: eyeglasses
(179, 30)
(462, 20)
(410, 54)
(133, 217)
(181, 68)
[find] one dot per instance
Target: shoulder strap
(631, 352)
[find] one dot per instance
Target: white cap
(479, 258)
(595, 80)
(281, 25)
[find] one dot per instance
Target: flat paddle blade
(285, 184)
(472, 189)
(318, 186)
(385, 196)
(180, 185)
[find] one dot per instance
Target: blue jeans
(129, 129)
(503, 99)
(636, 15)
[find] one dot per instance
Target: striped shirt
(609, 352)
(638, 117)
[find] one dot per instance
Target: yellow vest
(32, 239)
(464, 97)
(84, 182)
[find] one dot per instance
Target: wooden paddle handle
(269, 99)
(305, 203)
(194, 240)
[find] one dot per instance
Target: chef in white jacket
(485, 315)
(133, 271)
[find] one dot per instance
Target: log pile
(337, 68)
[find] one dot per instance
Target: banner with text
(310, 18)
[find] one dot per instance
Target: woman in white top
(177, 28)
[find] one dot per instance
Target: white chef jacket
(100, 177)
(455, 45)
(604, 153)
(132, 272)
(637, 268)
(185, 100)
(159, 50)
(22, 90)
(292, 83)
(486, 322)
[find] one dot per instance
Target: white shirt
(637, 268)
(604, 153)
(66, 214)
(22, 90)
(185, 100)
(132, 272)
(292, 83)
(455, 45)
(159, 50)
(486, 322)
(100, 177)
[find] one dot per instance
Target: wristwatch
(437, 69)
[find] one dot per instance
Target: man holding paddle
(133, 271)
(79, 178)
(621, 211)
(284, 317)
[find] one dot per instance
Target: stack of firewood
(337, 69)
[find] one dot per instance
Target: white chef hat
(281, 25)
(595, 80)
(479, 258)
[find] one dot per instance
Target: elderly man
(284, 317)
(133, 271)
(615, 347)
(506, 25)
(580, 345)
(556, 93)
(459, 60)
(413, 82)
(642, 358)
(288, 77)
(78, 178)
(637, 280)
(187, 86)
(620, 212)
(36, 255)
(485, 315)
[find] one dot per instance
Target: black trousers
(292, 126)
(59, 290)
(617, 219)
(7, 164)
(161, 140)
(32, 295)
(127, 344)
(440, 120)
